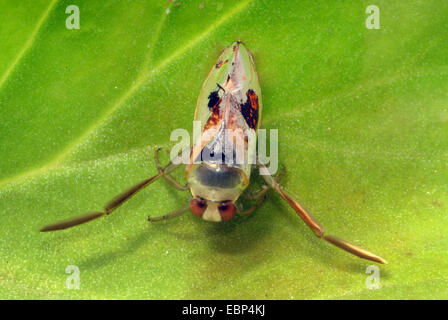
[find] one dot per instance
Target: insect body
(229, 109)
(222, 156)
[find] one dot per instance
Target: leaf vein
(141, 79)
(28, 44)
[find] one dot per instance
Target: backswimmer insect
(230, 99)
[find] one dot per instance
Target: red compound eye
(227, 210)
(198, 206)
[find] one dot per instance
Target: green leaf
(362, 118)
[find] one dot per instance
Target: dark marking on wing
(214, 102)
(220, 87)
(249, 109)
(221, 63)
(213, 99)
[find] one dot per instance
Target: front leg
(259, 197)
(249, 195)
(167, 177)
(171, 215)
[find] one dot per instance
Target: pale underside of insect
(230, 101)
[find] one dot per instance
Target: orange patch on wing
(253, 99)
(249, 109)
(214, 117)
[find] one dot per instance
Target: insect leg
(168, 178)
(171, 215)
(111, 205)
(281, 174)
(318, 230)
(260, 196)
(251, 196)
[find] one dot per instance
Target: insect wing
(230, 101)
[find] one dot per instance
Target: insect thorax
(216, 182)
